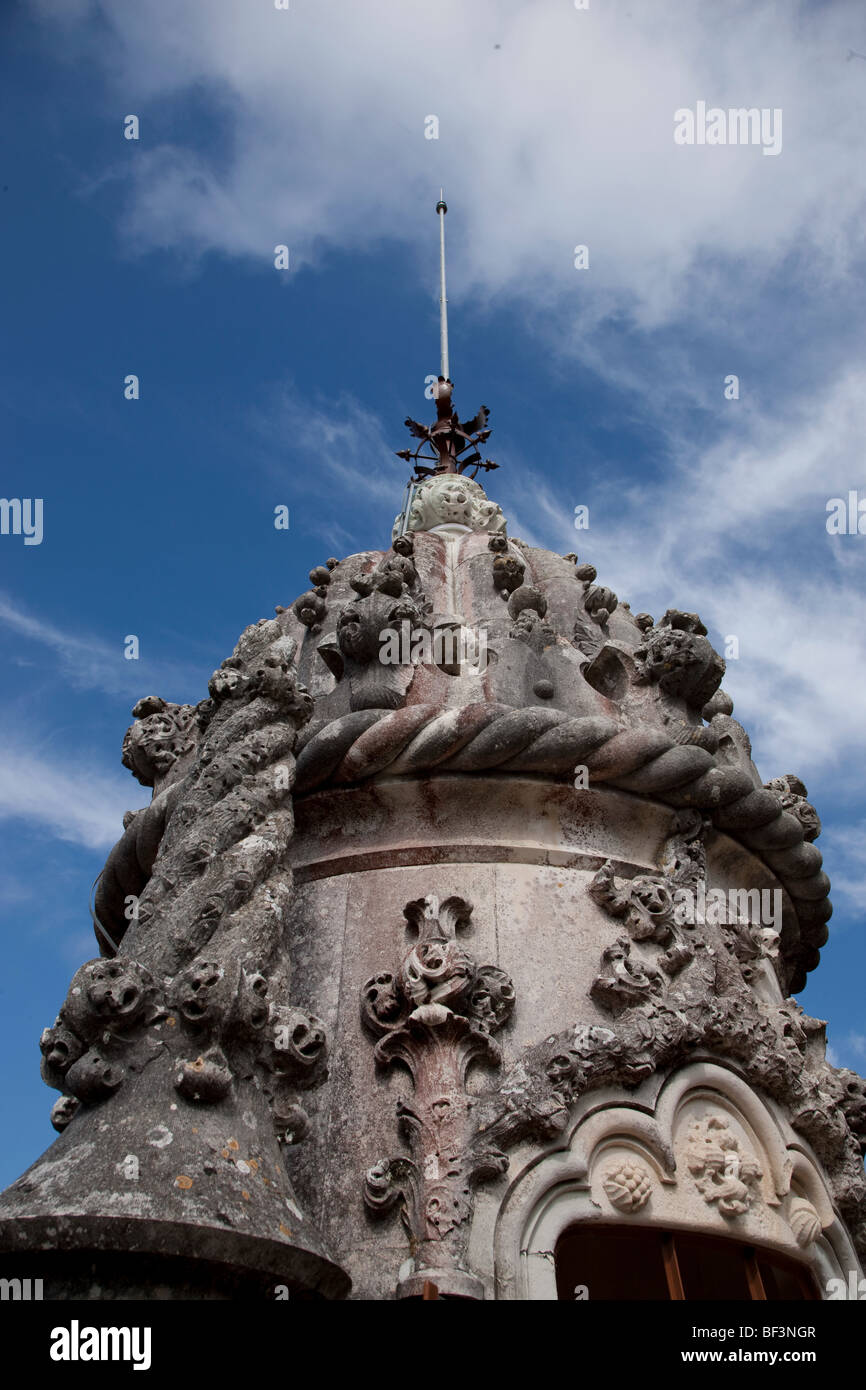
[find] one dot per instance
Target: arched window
(648, 1262)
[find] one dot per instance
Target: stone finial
(451, 499)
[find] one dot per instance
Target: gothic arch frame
(553, 1191)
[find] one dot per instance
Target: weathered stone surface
(320, 825)
(182, 1059)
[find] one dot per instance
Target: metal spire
(441, 209)
(444, 443)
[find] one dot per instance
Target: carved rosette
(436, 1014)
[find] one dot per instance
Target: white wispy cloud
(556, 128)
(849, 869)
(67, 799)
(88, 662)
(849, 1050)
(337, 447)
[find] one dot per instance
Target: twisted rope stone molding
(485, 736)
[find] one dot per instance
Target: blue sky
(259, 387)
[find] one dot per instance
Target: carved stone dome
(571, 679)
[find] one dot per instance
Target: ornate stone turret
(458, 783)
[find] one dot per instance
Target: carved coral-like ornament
(627, 1186)
(162, 734)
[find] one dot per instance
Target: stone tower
(453, 955)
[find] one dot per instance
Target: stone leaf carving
(805, 1221)
(436, 1014)
(724, 1174)
(645, 903)
(207, 1079)
(623, 982)
(648, 903)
